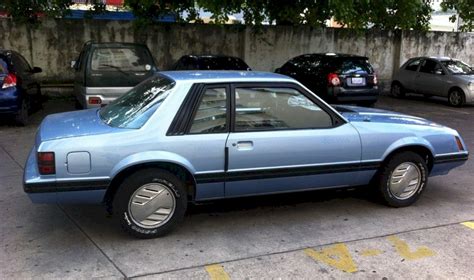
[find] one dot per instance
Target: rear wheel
(21, 117)
(150, 203)
(456, 98)
(397, 90)
(402, 179)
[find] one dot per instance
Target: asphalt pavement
(321, 234)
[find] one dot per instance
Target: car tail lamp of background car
(333, 80)
(459, 143)
(375, 79)
(94, 100)
(46, 163)
(9, 81)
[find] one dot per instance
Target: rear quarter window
(134, 59)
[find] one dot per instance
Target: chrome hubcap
(455, 98)
(405, 180)
(152, 205)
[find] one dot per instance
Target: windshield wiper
(116, 68)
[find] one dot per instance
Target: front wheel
(456, 98)
(402, 179)
(150, 203)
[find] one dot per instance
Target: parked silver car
(436, 76)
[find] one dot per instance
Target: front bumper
(446, 162)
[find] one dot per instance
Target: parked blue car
(19, 88)
(194, 136)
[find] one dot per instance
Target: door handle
(243, 145)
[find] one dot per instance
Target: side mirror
(278, 70)
(36, 70)
(73, 64)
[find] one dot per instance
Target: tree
(29, 11)
(464, 10)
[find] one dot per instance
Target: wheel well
(396, 82)
(422, 151)
(180, 171)
(456, 88)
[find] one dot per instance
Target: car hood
(467, 78)
(73, 124)
(362, 114)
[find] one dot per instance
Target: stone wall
(55, 43)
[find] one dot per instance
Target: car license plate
(357, 81)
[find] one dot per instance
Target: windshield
(133, 58)
(133, 109)
(457, 67)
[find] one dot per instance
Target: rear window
(222, 63)
(135, 59)
(133, 109)
(3, 66)
(355, 66)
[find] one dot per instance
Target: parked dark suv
(19, 89)
(337, 78)
(210, 62)
(105, 71)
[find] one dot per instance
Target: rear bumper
(9, 102)
(105, 94)
(340, 94)
(48, 189)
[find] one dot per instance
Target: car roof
(336, 55)
(211, 56)
(226, 76)
(439, 58)
(114, 44)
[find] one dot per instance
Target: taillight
(459, 143)
(46, 163)
(375, 79)
(94, 100)
(333, 80)
(9, 81)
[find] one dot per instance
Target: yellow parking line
(468, 224)
(337, 256)
(404, 250)
(370, 252)
(217, 272)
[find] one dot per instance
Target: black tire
(397, 90)
(456, 98)
(135, 182)
(21, 117)
(383, 179)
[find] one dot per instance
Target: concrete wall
(55, 43)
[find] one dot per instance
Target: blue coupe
(182, 137)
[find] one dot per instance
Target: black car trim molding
(283, 172)
(451, 158)
(66, 186)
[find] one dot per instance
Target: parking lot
(324, 234)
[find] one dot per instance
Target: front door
(431, 78)
(283, 139)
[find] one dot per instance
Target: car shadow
(432, 100)
(280, 200)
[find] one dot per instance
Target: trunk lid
(73, 124)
